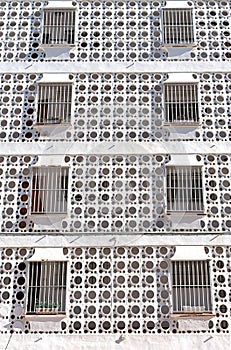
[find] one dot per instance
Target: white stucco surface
(113, 240)
(112, 342)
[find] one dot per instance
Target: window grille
(184, 189)
(59, 27)
(49, 190)
(54, 103)
(47, 287)
(181, 103)
(191, 291)
(178, 26)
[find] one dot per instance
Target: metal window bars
(59, 27)
(184, 189)
(47, 287)
(191, 290)
(49, 190)
(178, 26)
(181, 103)
(54, 103)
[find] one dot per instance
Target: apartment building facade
(115, 174)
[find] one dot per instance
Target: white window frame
(54, 103)
(187, 38)
(184, 194)
(49, 190)
(191, 287)
(47, 287)
(181, 103)
(54, 34)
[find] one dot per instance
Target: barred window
(49, 190)
(54, 103)
(58, 27)
(184, 189)
(181, 103)
(178, 26)
(47, 287)
(191, 290)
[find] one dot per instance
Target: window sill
(192, 45)
(52, 129)
(47, 215)
(52, 125)
(44, 323)
(203, 315)
(189, 213)
(49, 316)
(182, 124)
(56, 46)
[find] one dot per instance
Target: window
(58, 27)
(184, 189)
(49, 190)
(54, 103)
(191, 287)
(178, 26)
(47, 287)
(181, 103)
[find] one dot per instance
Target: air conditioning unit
(187, 308)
